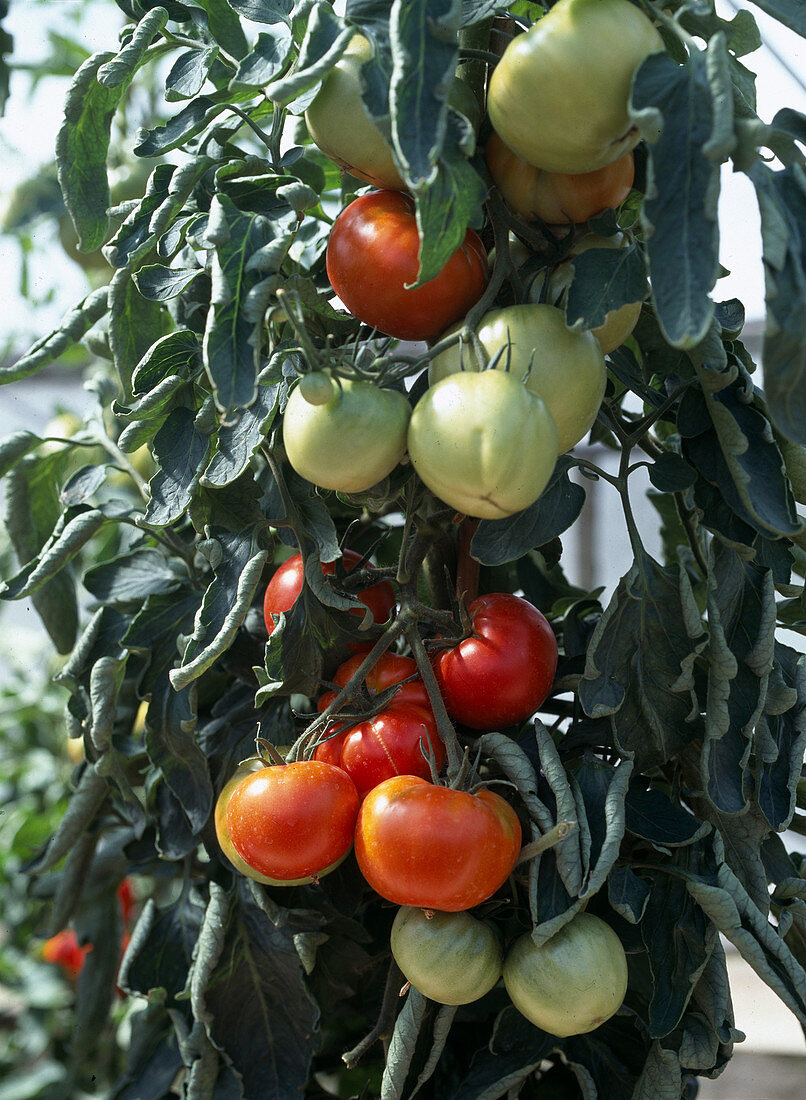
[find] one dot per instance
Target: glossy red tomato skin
(503, 672)
(293, 820)
(372, 255)
(388, 670)
(386, 745)
(286, 585)
(432, 847)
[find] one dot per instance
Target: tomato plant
(504, 670)
(452, 958)
(436, 848)
(660, 733)
(372, 264)
(555, 197)
(571, 71)
(532, 341)
(573, 982)
(483, 443)
(293, 822)
(350, 442)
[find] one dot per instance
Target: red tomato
(286, 585)
(386, 745)
(291, 821)
(373, 254)
(433, 847)
(388, 670)
(503, 672)
(65, 951)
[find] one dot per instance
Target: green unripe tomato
(316, 388)
(559, 95)
(483, 443)
(452, 958)
(566, 369)
(350, 442)
(572, 983)
(339, 124)
(618, 323)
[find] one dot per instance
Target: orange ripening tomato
(293, 821)
(436, 848)
(373, 258)
(557, 198)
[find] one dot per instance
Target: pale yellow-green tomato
(618, 323)
(350, 442)
(339, 124)
(572, 983)
(483, 443)
(565, 368)
(559, 95)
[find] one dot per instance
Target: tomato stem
(444, 725)
(560, 832)
(386, 1018)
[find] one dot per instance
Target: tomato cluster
(486, 446)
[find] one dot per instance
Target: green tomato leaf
(780, 740)
(514, 1053)
(671, 473)
(424, 38)
(678, 939)
(239, 439)
(142, 572)
(497, 541)
(238, 567)
(326, 39)
(32, 512)
(265, 11)
(653, 816)
(184, 125)
(403, 1044)
(181, 451)
(231, 340)
(788, 12)
(640, 663)
(189, 73)
(135, 325)
(741, 617)
(729, 907)
(248, 986)
(265, 61)
(734, 450)
(605, 279)
(447, 206)
(75, 324)
(627, 893)
(782, 202)
(679, 213)
(176, 355)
